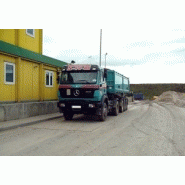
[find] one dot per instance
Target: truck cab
(82, 90)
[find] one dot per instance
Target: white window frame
(30, 34)
(9, 83)
(50, 74)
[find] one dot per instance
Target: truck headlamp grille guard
(89, 86)
(94, 87)
(82, 93)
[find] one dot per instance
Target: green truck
(90, 89)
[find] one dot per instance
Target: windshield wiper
(83, 81)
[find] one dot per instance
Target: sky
(145, 39)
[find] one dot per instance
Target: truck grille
(84, 93)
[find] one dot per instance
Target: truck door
(103, 82)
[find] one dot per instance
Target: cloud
(177, 40)
(152, 73)
(141, 44)
(182, 50)
(73, 54)
(48, 40)
(168, 58)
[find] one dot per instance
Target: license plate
(68, 92)
(76, 106)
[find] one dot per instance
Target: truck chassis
(110, 105)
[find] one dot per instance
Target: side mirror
(58, 80)
(58, 77)
(105, 73)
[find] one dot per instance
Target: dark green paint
(24, 53)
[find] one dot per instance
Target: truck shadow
(87, 119)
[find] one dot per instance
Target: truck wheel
(104, 112)
(126, 103)
(68, 115)
(121, 106)
(116, 109)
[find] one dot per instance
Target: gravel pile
(172, 97)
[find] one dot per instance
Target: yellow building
(26, 74)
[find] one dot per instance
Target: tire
(116, 109)
(126, 104)
(68, 115)
(104, 112)
(121, 106)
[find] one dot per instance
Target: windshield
(79, 77)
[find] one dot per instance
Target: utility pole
(100, 44)
(105, 58)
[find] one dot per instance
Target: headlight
(62, 104)
(91, 105)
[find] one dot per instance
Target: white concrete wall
(24, 110)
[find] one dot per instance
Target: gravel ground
(146, 129)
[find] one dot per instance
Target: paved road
(145, 129)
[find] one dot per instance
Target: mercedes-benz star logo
(76, 92)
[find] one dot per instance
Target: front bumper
(80, 107)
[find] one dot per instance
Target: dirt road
(146, 129)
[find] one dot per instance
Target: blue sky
(145, 40)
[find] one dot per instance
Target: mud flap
(98, 112)
(60, 110)
(114, 103)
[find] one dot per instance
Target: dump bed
(117, 83)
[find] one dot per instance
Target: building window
(9, 73)
(49, 79)
(30, 32)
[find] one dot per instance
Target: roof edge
(24, 53)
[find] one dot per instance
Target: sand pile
(172, 97)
